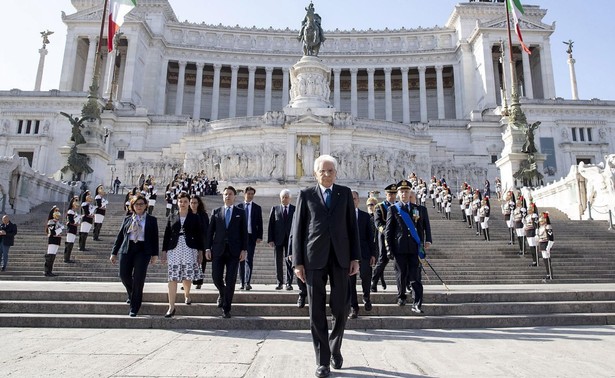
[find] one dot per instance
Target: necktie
(227, 216)
(248, 218)
(285, 213)
(328, 199)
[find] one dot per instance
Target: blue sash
(410, 224)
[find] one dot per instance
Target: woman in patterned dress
(182, 248)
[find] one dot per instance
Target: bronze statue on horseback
(311, 32)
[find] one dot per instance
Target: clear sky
(587, 23)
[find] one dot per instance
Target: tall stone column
(440, 92)
(285, 86)
(108, 75)
(129, 69)
(162, 87)
(89, 67)
(388, 100)
(215, 96)
(250, 108)
(405, 95)
(198, 91)
(573, 77)
(181, 80)
(546, 66)
(527, 75)
(268, 77)
(371, 101)
(354, 106)
(336, 88)
(39, 72)
(232, 106)
(68, 64)
(423, 94)
(458, 91)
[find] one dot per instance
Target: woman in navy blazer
(182, 248)
(137, 244)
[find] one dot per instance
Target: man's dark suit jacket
(279, 229)
(398, 237)
(11, 231)
(256, 218)
(193, 232)
(236, 235)
(366, 235)
(150, 243)
(317, 228)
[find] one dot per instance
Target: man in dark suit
(254, 219)
(278, 232)
(226, 246)
(8, 230)
(325, 245)
(408, 234)
(368, 259)
(137, 244)
(380, 220)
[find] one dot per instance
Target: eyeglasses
(139, 203)
(371, 205)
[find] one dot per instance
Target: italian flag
(515, 7)
(118, 9)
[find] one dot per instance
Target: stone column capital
(354, 71)
(182, 63)
(404, 70)
(439, 67)
(217, 66)
(235, 67)
(337, 71)
(268, 70)
(252, 69)
(370, 70)
(422, 69)
(387, 70)
(200, 65)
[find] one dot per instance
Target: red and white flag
(515, 7)
(118, 9)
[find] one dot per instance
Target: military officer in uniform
(380, 220)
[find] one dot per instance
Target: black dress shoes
(170, 313)
(368, 305)
(248, 287)
(401, 302)
(128, 301)
(289, 287)
(226, 315)
(354, 313)
(132, 314)
(373, 289)
(337, 361)
(322, 371)
(279, 287)
(301, 302)
(219, 301)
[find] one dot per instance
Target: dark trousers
(290, 272)
(381, 264)
(133, 269)
(316, 280)
(5, 254)
(408, 269)
(246, 266)
(365, 273)
(279, 252)
(302, 288)
(225, 284)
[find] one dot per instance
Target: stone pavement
(502, 352)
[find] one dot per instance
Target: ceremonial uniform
(380, 220)
(87, 218)
(545, 242)
(72, 225)
(531, 223)
(54, 239)
(101, 210)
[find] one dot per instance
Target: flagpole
(516, 118)
(91, 109)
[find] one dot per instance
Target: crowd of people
(324, 238)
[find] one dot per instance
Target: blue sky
(588, 23)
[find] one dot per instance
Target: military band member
(460, 197)
(100, 211)
(508, 206)
(152, 194)
(72, 224)
(432, 191)
(54, 239)
(87, 218)
(518, 217)
(475, 205)
(484, 213)
(407, 235)
(468, 197)
(545, 240)
(531, 223)
(380, 220)
(447, 202)
(169, 199)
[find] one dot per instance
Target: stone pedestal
(309, 79)
(512, 157)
